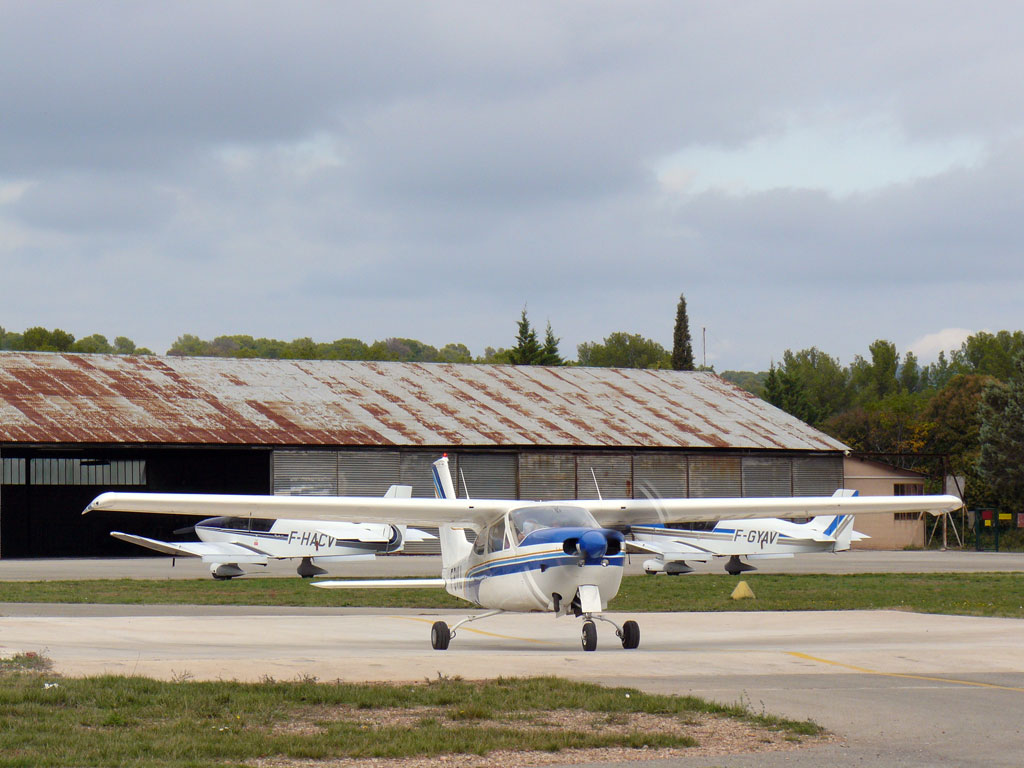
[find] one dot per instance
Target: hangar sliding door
(485, 475)
(660, 475)
(715, 477)
(817, 475)
(767, 476)
(305, 473)
(607, 475)
(547, 476)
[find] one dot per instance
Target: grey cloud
(496, 155)
(84, 205)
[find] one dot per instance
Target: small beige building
(876, 478)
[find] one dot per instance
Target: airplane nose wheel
(629, 632)
(630, 635)
(589, 636)
(440, 636)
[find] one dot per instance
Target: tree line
(39, 339)
(962, 414)
(620, 349)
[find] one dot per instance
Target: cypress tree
(682, 349)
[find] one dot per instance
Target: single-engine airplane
(765, 538)
(227, 542)
(562, 557)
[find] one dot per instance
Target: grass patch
(970, 594)
(118, 721)
(967, 594)
(29, 661)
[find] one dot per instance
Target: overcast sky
(806, 173)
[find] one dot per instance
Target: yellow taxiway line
(867, 671)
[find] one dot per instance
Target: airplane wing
(424, 512)
(210, 552)
(611, 512)
(478, 512)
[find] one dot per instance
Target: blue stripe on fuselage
(534, 562)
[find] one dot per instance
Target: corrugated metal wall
(546, 476)
(817, 475)
(542, 475)
(767, 476)
(715, 477)
(486, 475)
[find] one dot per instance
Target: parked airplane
(765, 538)
(227, 542)
(556, 556)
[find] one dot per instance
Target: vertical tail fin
(443, 486)
(454, 544)
(838, 527)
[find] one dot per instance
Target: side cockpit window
(496, 537)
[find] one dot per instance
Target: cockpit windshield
(529, 519)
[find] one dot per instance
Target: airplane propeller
(592, 544)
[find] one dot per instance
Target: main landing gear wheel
(440, 636)
(589, 636)
(630, 635)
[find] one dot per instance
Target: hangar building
(75, 425)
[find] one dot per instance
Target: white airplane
(764, 538)
(561, 557)
(226, 542)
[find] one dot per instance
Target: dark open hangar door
(41, 507)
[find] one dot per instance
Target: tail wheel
(630, 635)
(589, 636)
(440, 636)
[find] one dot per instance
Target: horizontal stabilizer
(209, 552)
(379, 583)
(643, 548)
(415, 534)
(328, 559)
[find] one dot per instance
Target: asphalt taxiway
(901, 689)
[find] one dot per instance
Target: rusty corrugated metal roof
(66, 398)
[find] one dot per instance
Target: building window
(13, 472)
(908, 489)
(87, 472)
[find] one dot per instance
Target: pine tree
(772, 391)
(549, 354)
(527, 350)
(682, 348)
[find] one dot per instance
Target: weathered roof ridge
(48, 397)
